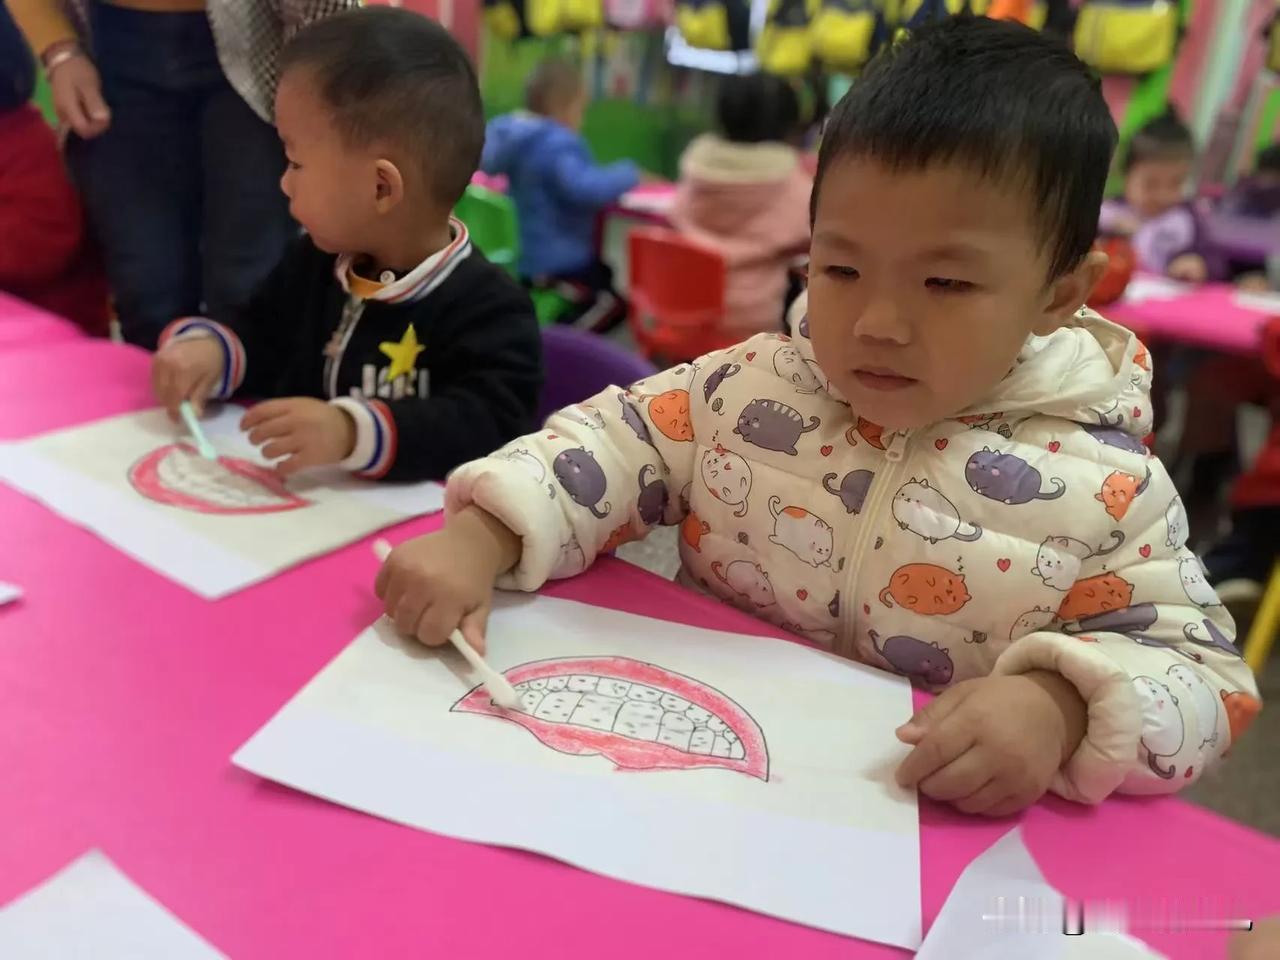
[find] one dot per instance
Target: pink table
(1205, 317)
(24, 325)
(122, 696)
(651, 202)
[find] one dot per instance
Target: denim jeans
(183, 189)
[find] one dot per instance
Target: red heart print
(552, 436)
(802, 594)
(1187, 775)
(751, 355)
(866, 608)
(941, 443)
(1137, 412)
(1145, 550)
(1054, 446)
(826, 450)
(1003, 564)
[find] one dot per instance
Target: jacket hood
(511, 139)
(1093, 372)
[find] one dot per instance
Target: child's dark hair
(392, 75)
(17, 69)
(993, 95)
(757, 108)
(553, 85)
(1164, 138)
(1268, 160)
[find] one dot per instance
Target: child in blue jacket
(559, 192)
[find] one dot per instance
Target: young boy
(941, 475)
(395, 349)
(559, 192)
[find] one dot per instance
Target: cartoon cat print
(572, 559)
(1194, 583)
(772, 425)
(531, 464)
(1034, 620)
(805, 534)
(746, 579)
(670, 414)
(1204, 700)
(926, 662)
(632, 418)
(1241, 710)
(927, 589)
(853, 488)
(1162, 724)
(1008, 479)
(1216, 638)
(717, 377)
(795, 370)
(584, 415)
(1059, 558)
(1175, 521)
(928, 514)
(1132, 622)
(728, 478)
(872, 433)
(692, 530)
(653, 499)
(583, 479)
(1095, 595)
(1111, 437)
(1119, 491)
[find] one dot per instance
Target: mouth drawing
(635, 714)
(178, 476)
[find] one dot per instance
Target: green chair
(491, 220)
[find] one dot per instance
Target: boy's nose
(881, 320)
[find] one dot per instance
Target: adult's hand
(77, 96)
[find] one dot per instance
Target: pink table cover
(25, 325)
(122, 696)
(1206, 317)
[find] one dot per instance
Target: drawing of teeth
(178, 476)
(638, 715)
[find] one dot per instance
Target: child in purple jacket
(1167, 231)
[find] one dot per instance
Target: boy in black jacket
(395, 349)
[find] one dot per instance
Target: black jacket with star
(471, 387)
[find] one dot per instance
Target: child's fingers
(931, 714)
(382, 582)
(409, 610)
(986, 797)
(262, 412)
(1011, 804)
(961, 777)
(272, 429)
(281, 447)
(439, 620)
(473, 626)
(199, 394)
(936, 750)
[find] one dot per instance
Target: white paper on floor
(1152, 287)
(9, 593)
(1002, 908)
(136, 481)
(1261, 301)
(90, 909)
(743, 769)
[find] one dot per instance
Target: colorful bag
(546, 18)
(846, 32)
(1126, 36)
(637, 14)
(785, 45)
(714, 24)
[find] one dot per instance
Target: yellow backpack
(846, 32)
(548, 17)
(1127, 36)
(713, 24)
(785, 44)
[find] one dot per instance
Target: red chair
(676, 290)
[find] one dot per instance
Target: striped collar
(414, 285)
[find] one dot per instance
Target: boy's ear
(1068, 293)
(388, 185)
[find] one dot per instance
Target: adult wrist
(56, 54)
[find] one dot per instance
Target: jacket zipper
(884, 485)
(352, 310)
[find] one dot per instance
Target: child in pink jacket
(745, 194)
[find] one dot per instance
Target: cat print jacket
(1032, 531)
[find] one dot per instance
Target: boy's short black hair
(1016, 106)
(393, 75)
(1268, 160)
(757, 108)
(552, 86)
(1164, 138)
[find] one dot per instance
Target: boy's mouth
(882, 378)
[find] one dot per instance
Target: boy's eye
(293, 165)
(947, 285)
(842, 273)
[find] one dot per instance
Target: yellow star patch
(404, 354)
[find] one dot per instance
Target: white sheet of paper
(9, 593)
(796, 815)
(90, 909)
(1149, 287)
(193, 524)
(1002, 908)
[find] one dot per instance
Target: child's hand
(186, 370)
(992, 745)
(1189, 268)
(1260, 943)
(435, 584)
(309, 433)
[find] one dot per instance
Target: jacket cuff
(1110, 746)
(523, 506)
(233, 358)
(376, 437)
